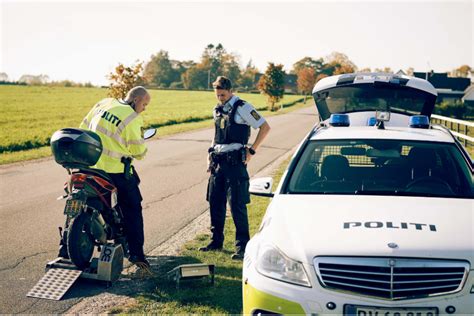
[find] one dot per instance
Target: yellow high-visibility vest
(120, 129)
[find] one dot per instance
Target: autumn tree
(462, 71)
(321, 76)
(272, 84)
(160, 71)
(306, 81)
(215, 61)
(338, 63)
(230, 67)
(123, 79)
(220, 63)
(308, 62)
(197, 77)
(212, 59)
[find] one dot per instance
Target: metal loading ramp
(54, 284)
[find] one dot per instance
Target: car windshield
(381, 167)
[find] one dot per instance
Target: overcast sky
(85, 40)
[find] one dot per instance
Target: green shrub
(451, 109)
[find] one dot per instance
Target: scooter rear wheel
(80, 244)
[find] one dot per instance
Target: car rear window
(371, 97)
(381, 167)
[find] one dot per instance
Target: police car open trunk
(374, 92)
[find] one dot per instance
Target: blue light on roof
(371, 121)
(419, 121)
(339, 120)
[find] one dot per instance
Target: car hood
(304, 226)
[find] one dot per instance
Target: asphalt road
(173, 185)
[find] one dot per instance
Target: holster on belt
(232, 157)
(212, 163)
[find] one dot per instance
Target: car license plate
(73, 207)
(383, 311)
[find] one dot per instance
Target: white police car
(375, 213)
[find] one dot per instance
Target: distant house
(468, 100)
(291, 83)
(468, 97)
(450, 89)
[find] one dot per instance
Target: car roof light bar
(339, 120)
(419, 121)
(371, 121)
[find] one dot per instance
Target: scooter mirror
(149, 133)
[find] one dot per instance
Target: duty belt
(232, 157)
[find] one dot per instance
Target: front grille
(391, 278)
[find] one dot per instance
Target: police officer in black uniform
(227, 162)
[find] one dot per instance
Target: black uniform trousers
(129, 200)
(229, 180)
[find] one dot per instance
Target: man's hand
(262, 133)
(248, 155)
(208, 162)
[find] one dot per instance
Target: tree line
(163, 72)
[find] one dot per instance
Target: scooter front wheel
(80, 244)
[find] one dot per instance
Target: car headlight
(274, 264)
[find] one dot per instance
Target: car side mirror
(149, 133)
(261, 187)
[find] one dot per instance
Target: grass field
(29, 115)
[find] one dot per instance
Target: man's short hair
(222, 83)
(137, 91)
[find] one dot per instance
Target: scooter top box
(76, 148)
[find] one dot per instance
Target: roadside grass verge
(29, 115)
(198, 296)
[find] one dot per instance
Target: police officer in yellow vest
(119, 126)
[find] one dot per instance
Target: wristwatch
(251, 151)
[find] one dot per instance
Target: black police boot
(213, 246)
(239, 251)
